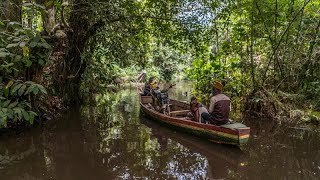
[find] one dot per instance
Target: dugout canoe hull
(226, 135)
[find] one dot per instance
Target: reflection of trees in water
(108, 141)
(126, 148)
(279, 152)
(220, 161)
(16, 153)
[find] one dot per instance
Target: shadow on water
(108, 139)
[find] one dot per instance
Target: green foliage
(167, 60)
(248, 44)
(261, 45)
(15, 101)
(22, 50)
(32, 14)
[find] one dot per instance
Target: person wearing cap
(197, 109)
(220, 106)
(148, 87)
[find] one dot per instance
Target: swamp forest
(69, 105)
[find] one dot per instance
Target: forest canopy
(55, 52)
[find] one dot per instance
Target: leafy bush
(22, 52)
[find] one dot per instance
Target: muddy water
(109, 139)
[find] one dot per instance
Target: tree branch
(282, 36)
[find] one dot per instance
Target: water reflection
(127, 148)
(221, 161)
(108, 139)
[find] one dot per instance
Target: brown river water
(110, 139)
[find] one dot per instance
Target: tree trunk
(71, 70)
(252, 48)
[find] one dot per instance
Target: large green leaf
(33, 44)
(15, 88)
(12, 45)
(42, 89)
(22, 44)
(22, 90)
(46, 45)
(18, 111)
(32, 116)
(28, 63)
(10, 113)
(25, 115)
(35, 91)
(12, 105)
(6, 103)
(4, 54)
(30, 88)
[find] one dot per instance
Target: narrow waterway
(110, 139)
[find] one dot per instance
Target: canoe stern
(244, 134)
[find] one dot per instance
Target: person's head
(151, 79)
(193, 100)
(153, 85)
(217, 87)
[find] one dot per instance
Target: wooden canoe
(235, 133)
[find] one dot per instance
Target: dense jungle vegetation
(56, 52)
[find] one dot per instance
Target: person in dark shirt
(220, 106)
(148, 87)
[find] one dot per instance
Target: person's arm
(212, 102)
(165, 90)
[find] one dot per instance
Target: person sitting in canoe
(197, 109)
(148, 87)
(161, 98)
(220, 106)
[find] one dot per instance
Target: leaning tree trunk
(80, 31)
